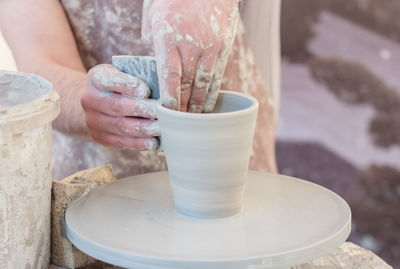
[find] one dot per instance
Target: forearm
(70, 85)
(42, 43)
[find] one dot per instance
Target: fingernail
(142, 91)
(153, 129)
(151, 144)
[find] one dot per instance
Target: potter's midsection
(104, 28)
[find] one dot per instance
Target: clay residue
(18, 88)
(25, 200)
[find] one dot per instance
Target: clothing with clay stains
(103, 28)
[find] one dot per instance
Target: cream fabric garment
(261, 19)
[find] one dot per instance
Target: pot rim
(226, 115)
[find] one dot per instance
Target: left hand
(118, 111)
(193, 40)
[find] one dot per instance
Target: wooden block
(64, 192)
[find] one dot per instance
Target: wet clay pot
(28, 105)
(208, 155)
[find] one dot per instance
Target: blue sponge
(143, 67)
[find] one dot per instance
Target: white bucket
(28, 105)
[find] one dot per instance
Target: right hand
(118, 111)
(192, 42)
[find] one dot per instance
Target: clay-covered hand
(192, 40)
(118, 110)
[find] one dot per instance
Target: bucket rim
(42, 107)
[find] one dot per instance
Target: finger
(118, 105)
(169, 71)
(189, 61)
(212, 94)
(123, 142)
(106, 77)
(123, 126)
(204, 74)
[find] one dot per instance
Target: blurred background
(339, 121)
(6, 59)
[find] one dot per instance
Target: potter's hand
(192, 41)
(118, 111)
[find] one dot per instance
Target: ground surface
(340, 117)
